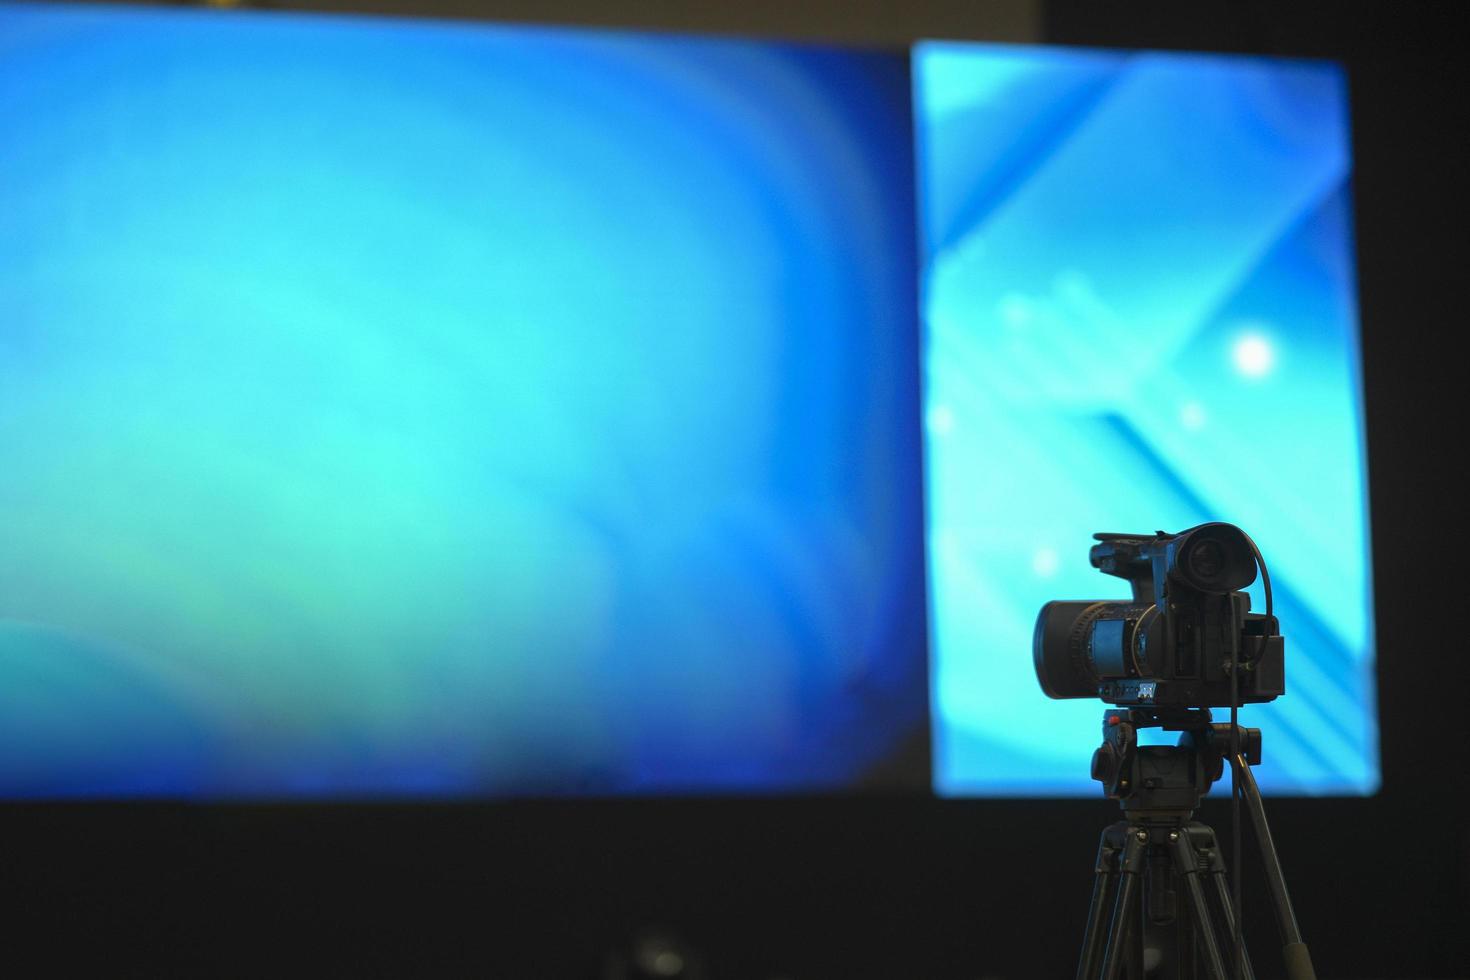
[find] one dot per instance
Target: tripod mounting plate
(1165, 782)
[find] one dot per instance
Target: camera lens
(1059, 648)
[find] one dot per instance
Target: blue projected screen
(398, 408)
(1139, 314)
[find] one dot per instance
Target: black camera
(1174, 643)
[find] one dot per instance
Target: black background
(893, 886)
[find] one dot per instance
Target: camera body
(1172, 644)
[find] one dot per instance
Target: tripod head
(1165, 783)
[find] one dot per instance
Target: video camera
(1173, 644)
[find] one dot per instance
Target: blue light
(1139, 314)
(413, 408)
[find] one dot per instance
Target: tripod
(1161, 905)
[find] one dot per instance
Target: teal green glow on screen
(443, 410)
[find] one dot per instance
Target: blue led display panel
(396, 408)
(1139, 314)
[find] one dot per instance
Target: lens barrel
(1079, 645)
(1059, 647)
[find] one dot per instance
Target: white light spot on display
(1192, 416)
(941, 420)
(1254, 355)
(1045, 562)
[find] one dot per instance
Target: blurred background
(417, 408)
(738, 696)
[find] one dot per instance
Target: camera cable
(1237, 760)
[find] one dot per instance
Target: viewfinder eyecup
(1215, 558)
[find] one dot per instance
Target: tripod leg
(1298, 960)
(1105, 880)
(1186, 864)
(1214, 866)
(1125, 907)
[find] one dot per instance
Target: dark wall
(904, 886)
